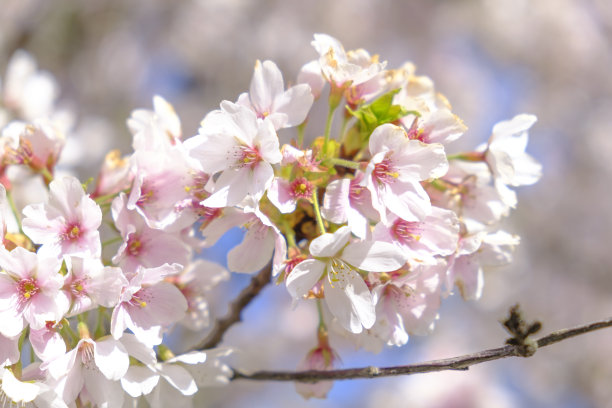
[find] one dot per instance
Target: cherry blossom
(242, 148)
(268, 98)
(337, 261)
(395, 170)
(30, 291)
(67, 224)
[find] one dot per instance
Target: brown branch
(455, 363)
(235, 309)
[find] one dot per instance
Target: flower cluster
(373, 221)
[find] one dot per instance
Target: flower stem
(9, 198)
(300, 130)
(322, 327)
(345, 163)
(328, 124)
(317, 210)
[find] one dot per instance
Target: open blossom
(356, 68)
(148, 304)
(92, 368)
(347, 201)
(436, 235)
(233, 142)
(30, 291)
(397, 167)
(67, 224)
(337, 261)
(506, 155)
(142, 245)
(156, 130)
(37, 144)
(91, 284)
(268, 99)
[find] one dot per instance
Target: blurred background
(491, 58)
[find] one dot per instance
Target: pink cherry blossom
(67, 224)
(30, 291)
(268, 99)
(148, 304)
(347, 201)
(92, 368)
(91, 284)
(142, 245)
(337, 261)
(397, 167)
(233, 142)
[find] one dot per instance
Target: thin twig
(455, 363)
(235, 309)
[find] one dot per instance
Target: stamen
(383, 172)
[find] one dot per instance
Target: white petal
(111, 358)
(179, 378)
(303, 277)
(328, 245)
(336, 201)
(374, 256)
(350, 300)
(139, 380)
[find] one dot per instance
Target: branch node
(373, 371)
(515, 324)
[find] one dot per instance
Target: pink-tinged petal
(66, 195)
(280, 253)
(267, 141)
(164, 304)
(139, 381)
(45, 308)
(408, 201)
(349, 300)
(101, 391)
(9, 350)
(151, 276)
(179, 378)
(193, 357)
(105, 287)
(386, 138)
(120, 320)
(420, 161)
(442, 126)
(295, 103)
(254, 252)
(261, 178)
(328, 245)
(303, 277)
(279, 194)
(19, 263)
(219, 226)
(374, 256)
(520, 123)
(231, 187)
(12, 323)
(468, 276)
(336, 202)
(266, 85)
(138, 350)
(111, 358)
(310, 74)
(63, 365)
(48, 344)
(42, 224)
(245, 120)
(359, 225)
(214, 131)
(18, 392)
(8, 290)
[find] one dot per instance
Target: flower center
(134, 246)
(27, 288)
(337, 271)
(77, 288)
(383, 172)
(71, 233)
(407, 231)
(139, 299)
(249, 156)
(301, 188)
